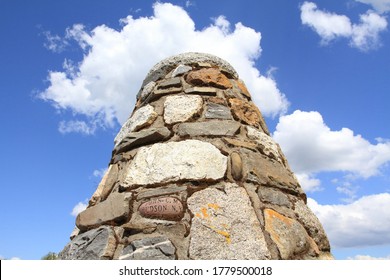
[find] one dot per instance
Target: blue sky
(318, 70)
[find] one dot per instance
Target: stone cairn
(194, 174)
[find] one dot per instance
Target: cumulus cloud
(311, 147)
(329, 26)
(368, 258)
(365, 222)
(77, 126)
(103, 85)
(380, 6)
(79, 207)
(308, 182)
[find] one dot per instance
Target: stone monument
(194, 174)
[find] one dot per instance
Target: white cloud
(329, 26)
(99, 173)
(104, 84)
(79, 207)
(367, 258)
(379, 5)
(311, 146)
(308, 182)
(365, 222)
(76, 126)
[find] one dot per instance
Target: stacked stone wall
(194, 174)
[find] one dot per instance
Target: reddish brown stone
(248, 113)
(243, 89)
(165, 208)
(208, 77)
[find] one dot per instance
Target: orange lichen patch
(204, 212)
(198, 215)
(271, 214)
(208, 77)
(213, 205)
(225, 234)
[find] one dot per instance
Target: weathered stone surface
(267, 144)
(161, 92)
(149, 248)
(161, 69)
(141, 118)
(208, 77)
(166, 190)
(180, 70)
(174, 82)
(236, 165)
(217, 111)
(268, 172)
(74, 233)
(210, 91)
(173, 161)
(114, 209)
(289, 235)
(248, 113)
(276, 197)
(209, 128)
(165, 208)
(240, 143)
(96, 244)
(225, 226)
(106, 185)
(143, 137)
(312, 225)
(147, 90)
(243, 88)
(181, 108)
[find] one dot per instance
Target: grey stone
(181, 108)
(289, 235)
(174, 161)
(166, 190)
(312, 225)
(270, 173)
(174, 82)
(143, 137)
(144, 116)
(180, 70)
(225, 226)
(276, 197)
(147, 89)
(94, 244)
(209, 91)
(149, 248)
(208, 128)
(115, 208)
(160, 92)
(217, 111)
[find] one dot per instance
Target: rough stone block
(149, 248)
(225, 226)
(208, 77)
(164, 208)
(174, 161)
(209, 128)
(217, 111)
(181, 108)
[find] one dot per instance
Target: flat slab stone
(143, 137)
(180, 70)
(149, 248)
(144, 116)
(174, 82)
(209, 128)
(267, 172)
(164, 208)
(217, 111)
(210, 91)
(115, 208)
(225, 226)
(181, 108)
(174, 161)
(166, 190)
